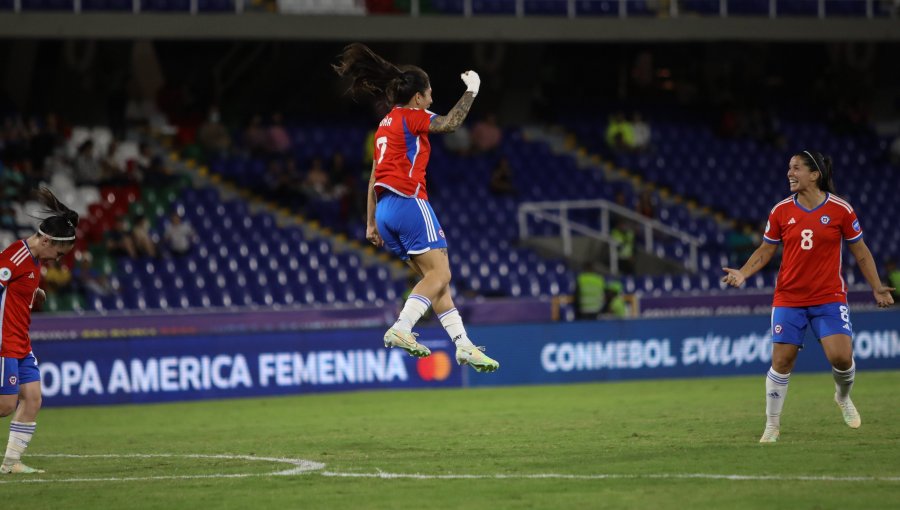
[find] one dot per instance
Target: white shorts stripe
(429, 225)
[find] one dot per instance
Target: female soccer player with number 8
(812, 224)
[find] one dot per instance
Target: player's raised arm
(456, 116)
(757, 261)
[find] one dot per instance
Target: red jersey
(401, 152)
(20, 274)
(810, 271)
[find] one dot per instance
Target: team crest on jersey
(5, 274)
(792, 221)
(441, 232)
(856, 225)
(778, 329)
(12, 380)
(825, 219)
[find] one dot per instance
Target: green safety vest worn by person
(894, 280)
(625, 238)
(591, 291)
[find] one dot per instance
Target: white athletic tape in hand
(472, 81)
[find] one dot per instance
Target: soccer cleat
(406, 341)
(770, 435)
(18, 468)
(476, 358)
(851, 415)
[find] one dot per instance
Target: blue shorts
(16, 371)
(408, 225)
(789, 324)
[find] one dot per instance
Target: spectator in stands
(45, 141)
(85, 278)
(402, 218)
(8, 220)
(645, 206)
(179, 235)
(623, 234)
(254, 136)
(140, 235)
(486, 134)
(213, 135)
(813, 225)
(56, 277)
(87, 168)
(590, 288)
(619, 133)
(118, 240)
(502, 179)
(641, 131)
(317, 185)
(892, 275)
(278, 141)
(742, 242)
(895, 151)
(614, 301)
(459, 142)
(111, 168)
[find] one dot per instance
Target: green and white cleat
(770, 435)
(18, 468)
(406, 341)
(476, 358)
(851, 415)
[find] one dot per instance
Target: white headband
(41, 232)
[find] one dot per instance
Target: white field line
(301, 466)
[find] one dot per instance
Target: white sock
(843, 381)
(19, 437)
(413, 310)
(776, 392)
(453, 323)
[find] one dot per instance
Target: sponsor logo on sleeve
(5, 274)
(856, 225)
(767, 227)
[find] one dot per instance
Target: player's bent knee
(842, 363)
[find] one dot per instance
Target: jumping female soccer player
(20, 274)
(812, 223)
(403, 219)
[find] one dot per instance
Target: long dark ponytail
(815, 160)
(60, 225)
(372, 75)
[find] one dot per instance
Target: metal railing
(568, 8)
(558, 213)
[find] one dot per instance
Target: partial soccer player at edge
(398, 214)
(20, 275)
(810, 292)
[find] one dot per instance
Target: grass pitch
(649, 436)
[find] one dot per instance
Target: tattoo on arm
(444, 251)
(454, 119)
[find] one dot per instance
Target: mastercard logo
(435, 367)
